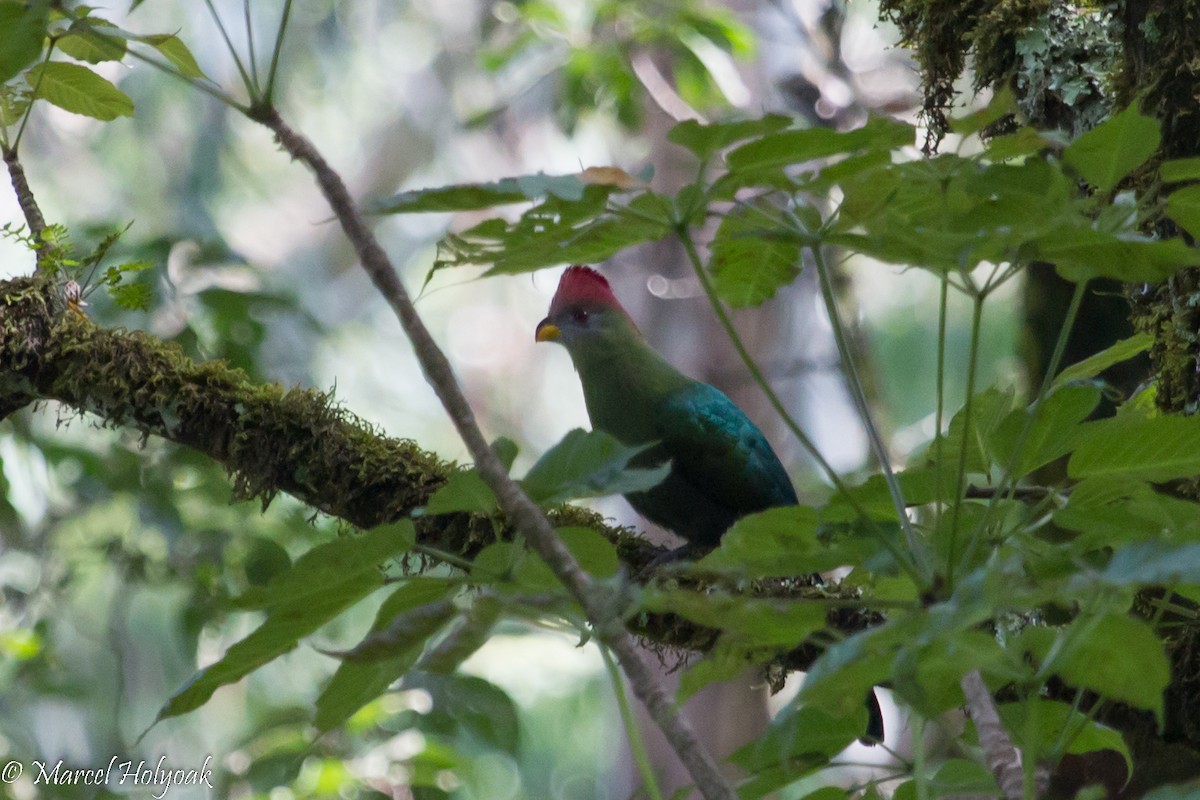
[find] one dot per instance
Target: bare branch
(599, 602)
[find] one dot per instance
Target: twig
(599, 603)
(25, 198)
(1002, 756)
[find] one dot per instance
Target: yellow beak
(547, 331)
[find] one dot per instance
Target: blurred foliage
(314, 658)
(591, 49)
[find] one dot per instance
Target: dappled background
(119, 555)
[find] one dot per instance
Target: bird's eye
(580, 315)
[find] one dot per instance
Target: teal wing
(715, 447)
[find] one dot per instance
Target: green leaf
(560, 231)
(799, 741)
(746, 622)
(475, 706)
(1113, 511)
(471, 633)
(1001, 105)
(1052, 723)
(77, 89)
(132, 296)
(322, 584)
(1018, 144)
(798, 146)
(1154, 563)
(1179, 170)
(355, 684)
(1176, 791)
(751, 261)
(1052, 433)
(961, 778)
(591, 550)
(1110, 151)
(463, 197)
(1183, 206)
(927, 675)
(13, 104)
(22, 33)
(989, 409)
(1081, 253)
(705, 140)
(464, 490)
(175, 51)
(1156, 449)
(792, 541)
(1117, 656)
(589, 464)
(723, 663)
(86, 43)
(841, 677)
(1092, 366)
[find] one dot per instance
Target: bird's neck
(625, 387)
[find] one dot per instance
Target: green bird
(722, 467)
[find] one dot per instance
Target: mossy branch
(271, 440)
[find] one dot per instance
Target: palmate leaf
(558, 231)
(322, 583)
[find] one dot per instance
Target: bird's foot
(688, 552)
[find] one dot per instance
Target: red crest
(582, 285)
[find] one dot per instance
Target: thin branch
(1003, 758)
(602, 606)
(25, 198)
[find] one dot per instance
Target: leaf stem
(960, 471)
(33, 96)
(269, 95)
(637, 745)
(251, 88)
(939, 414)
(250, 43)
(212, 91)
(858, 394)
(1007, 485)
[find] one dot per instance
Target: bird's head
(584, 313)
